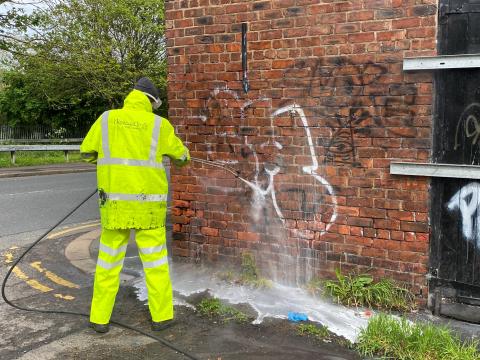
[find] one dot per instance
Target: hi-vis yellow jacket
(128, 146)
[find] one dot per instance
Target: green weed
(361, 290)
(248, 275)
(312, 330)
(390, 338)
(213, 308)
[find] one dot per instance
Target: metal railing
(40, 133)
(14, 148)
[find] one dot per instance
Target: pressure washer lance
(217, 164)
(9, 272)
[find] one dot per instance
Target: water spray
(217, 164)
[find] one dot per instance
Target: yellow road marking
(8, 258)
(14, 247)
(63, 232)
(37, 265)
(33, 283)
(64, 297)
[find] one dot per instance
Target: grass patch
(390, 338)
(249, 274)
(28, 158)
(319, 332)
(213, 308)
(361, 290)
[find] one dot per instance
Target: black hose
(9, 272)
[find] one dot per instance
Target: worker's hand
(180, 163)
(90, 157)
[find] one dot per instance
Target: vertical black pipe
(245, 84)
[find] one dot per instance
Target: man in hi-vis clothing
(128, 146)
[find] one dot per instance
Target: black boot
(100, 328)
(162, 325)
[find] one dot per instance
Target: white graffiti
(467, 201)
(312, 169)
(261, 189)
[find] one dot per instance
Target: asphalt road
(29, 205)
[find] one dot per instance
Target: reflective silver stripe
(112, 252)
(156, 263)
(137, 197)
(107, 265)
(129, 162)
(155, 137)
(152, 250)
(105, 143)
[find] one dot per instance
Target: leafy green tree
(16, 19)
(83, 58)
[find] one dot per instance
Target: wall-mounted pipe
(245, 84)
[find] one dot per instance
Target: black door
(455, 207)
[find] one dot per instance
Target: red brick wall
(328, 109)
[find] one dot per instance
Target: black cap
(145, 85)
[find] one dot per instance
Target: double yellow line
(37, 265)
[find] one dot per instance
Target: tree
(84, 56)
(15, 20)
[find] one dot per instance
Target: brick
(204, 20)
(414, 226)
(360, 15)
(236, 8)
(248, 236)
(390, 35)
(423, 10)
(295, 11)
(321, 9)
(373, 213)
(423, 32)
(388, 13)
(264, 5)
(406, 23)
(209, 231)
(375, 26)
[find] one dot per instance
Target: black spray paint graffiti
(349, 101)
(354, 99)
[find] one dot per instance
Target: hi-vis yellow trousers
(152, 249)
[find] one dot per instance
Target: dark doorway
(455, 207)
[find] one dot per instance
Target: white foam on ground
(277, 302)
